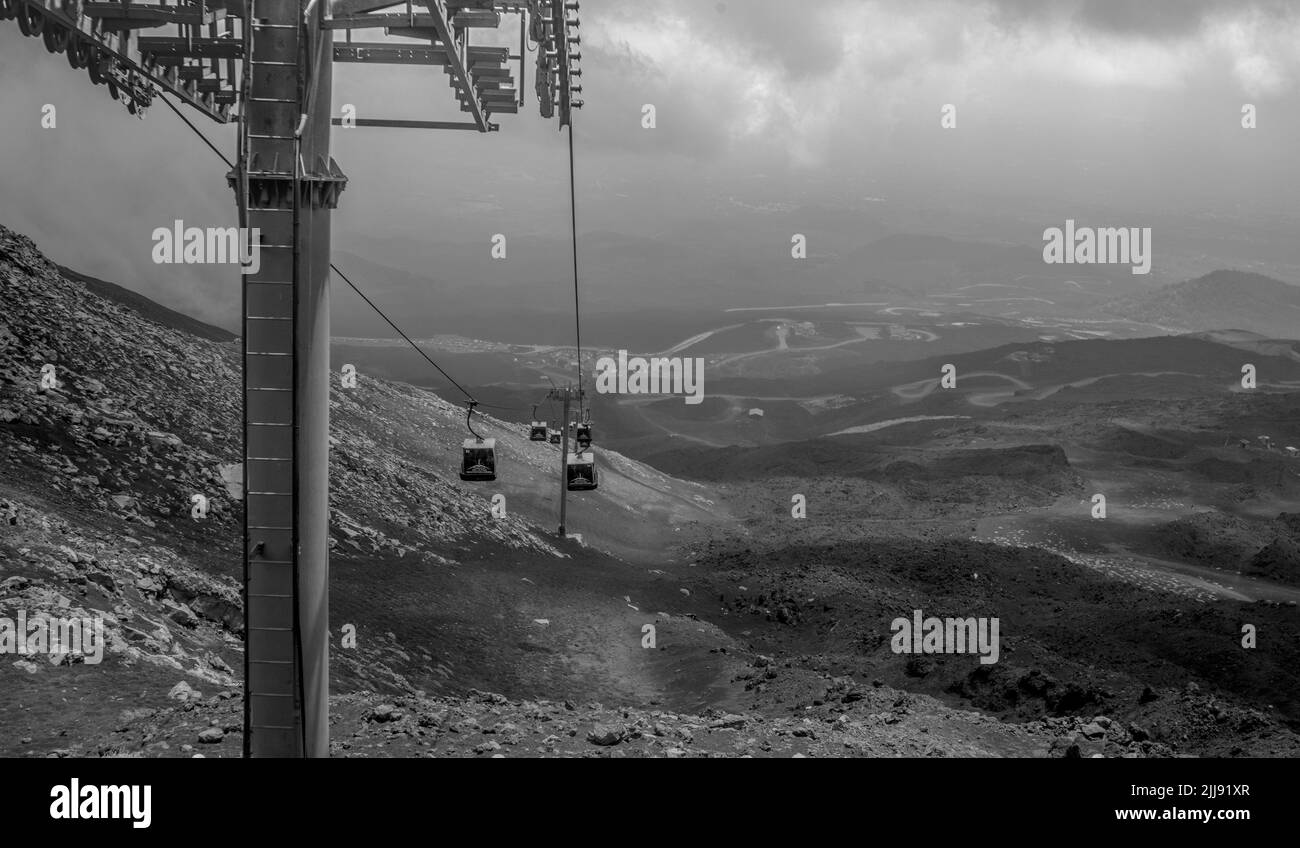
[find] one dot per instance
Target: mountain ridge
(1221, 300)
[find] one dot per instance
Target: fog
(771, 118)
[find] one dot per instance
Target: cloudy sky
(762, 107)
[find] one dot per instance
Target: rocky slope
(120, 494)
(853, 721)
(114, 417)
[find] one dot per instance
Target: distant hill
(1254, 342)
(1219, 300)
(1213, 362)
(863, 458)
(925, 264)
(149, 309)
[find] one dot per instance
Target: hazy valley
(771, 632)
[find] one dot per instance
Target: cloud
(1152, 19)
(797, 41)
(831, 101)
(761, 77)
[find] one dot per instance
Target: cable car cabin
(479, 461)
(581, 472)
(555, 437)
(583, 435)
(538, 432)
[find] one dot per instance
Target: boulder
(605, 735)
(183, 692)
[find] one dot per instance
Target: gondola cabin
(555, 437)
(581, 471)
(537, 432)
(583, 435)
(479, 460)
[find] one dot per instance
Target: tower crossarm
(188, 48)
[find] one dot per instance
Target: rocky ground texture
(858, 722)
(120, 499)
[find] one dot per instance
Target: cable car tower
(268, 64)
(567, 395)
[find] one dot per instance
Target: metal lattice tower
(269, 64)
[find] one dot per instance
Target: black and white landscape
(995, 309)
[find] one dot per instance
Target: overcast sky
(761, 106)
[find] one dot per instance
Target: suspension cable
(196, 130)
(573, 217)
(368, 301)
(469, 414)
(418, 349)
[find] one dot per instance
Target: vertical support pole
(564, 459)
(523, 51)
(313, 351)
(292, 188)
(273, 682)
